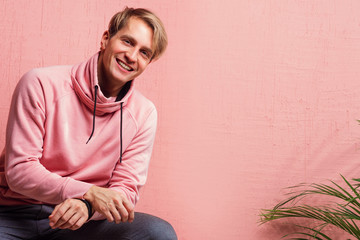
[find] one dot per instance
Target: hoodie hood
(84, 78)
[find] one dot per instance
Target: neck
(108, 88)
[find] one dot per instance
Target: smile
(123, 65)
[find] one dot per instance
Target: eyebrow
(134, 40)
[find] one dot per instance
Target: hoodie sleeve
(24, 145)
(129, 176)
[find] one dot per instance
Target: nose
(131, 55)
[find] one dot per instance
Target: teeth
(123, 65)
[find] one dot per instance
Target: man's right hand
(113, 205)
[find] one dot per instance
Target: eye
(146, 54)
(127, 41)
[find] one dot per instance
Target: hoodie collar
(84, 77)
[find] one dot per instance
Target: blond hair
(120, 20)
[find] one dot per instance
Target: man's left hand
(70, 214)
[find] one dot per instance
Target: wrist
(88, 206)
(89, 195)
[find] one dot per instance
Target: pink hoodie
(46, 158)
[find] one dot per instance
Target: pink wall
(253, 96)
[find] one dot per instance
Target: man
(79, 140)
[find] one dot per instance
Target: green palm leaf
(343, 215)
(315, 233)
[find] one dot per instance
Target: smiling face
(124, 56)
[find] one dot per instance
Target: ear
(104, 40)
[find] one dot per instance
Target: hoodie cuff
(75, 189)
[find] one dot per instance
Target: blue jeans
(31, 222)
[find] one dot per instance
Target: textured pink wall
(253, 96)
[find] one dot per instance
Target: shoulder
(47, 74)
(46, 80)
(141, 108)
(43, 87)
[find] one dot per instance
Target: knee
(161, 230)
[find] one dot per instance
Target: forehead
(139, 30)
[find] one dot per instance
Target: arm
(24, 142)
(117, 201)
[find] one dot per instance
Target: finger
(114, 212)
(105, 211)
(63, 220)
(131, 216)
(123, 212)
(75, 222)
(70, 222)
(79, 223)
(130, 209)
(78, 216)
(52, 217)
(55, 216)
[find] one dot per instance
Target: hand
(112, 204)
(71, 214)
